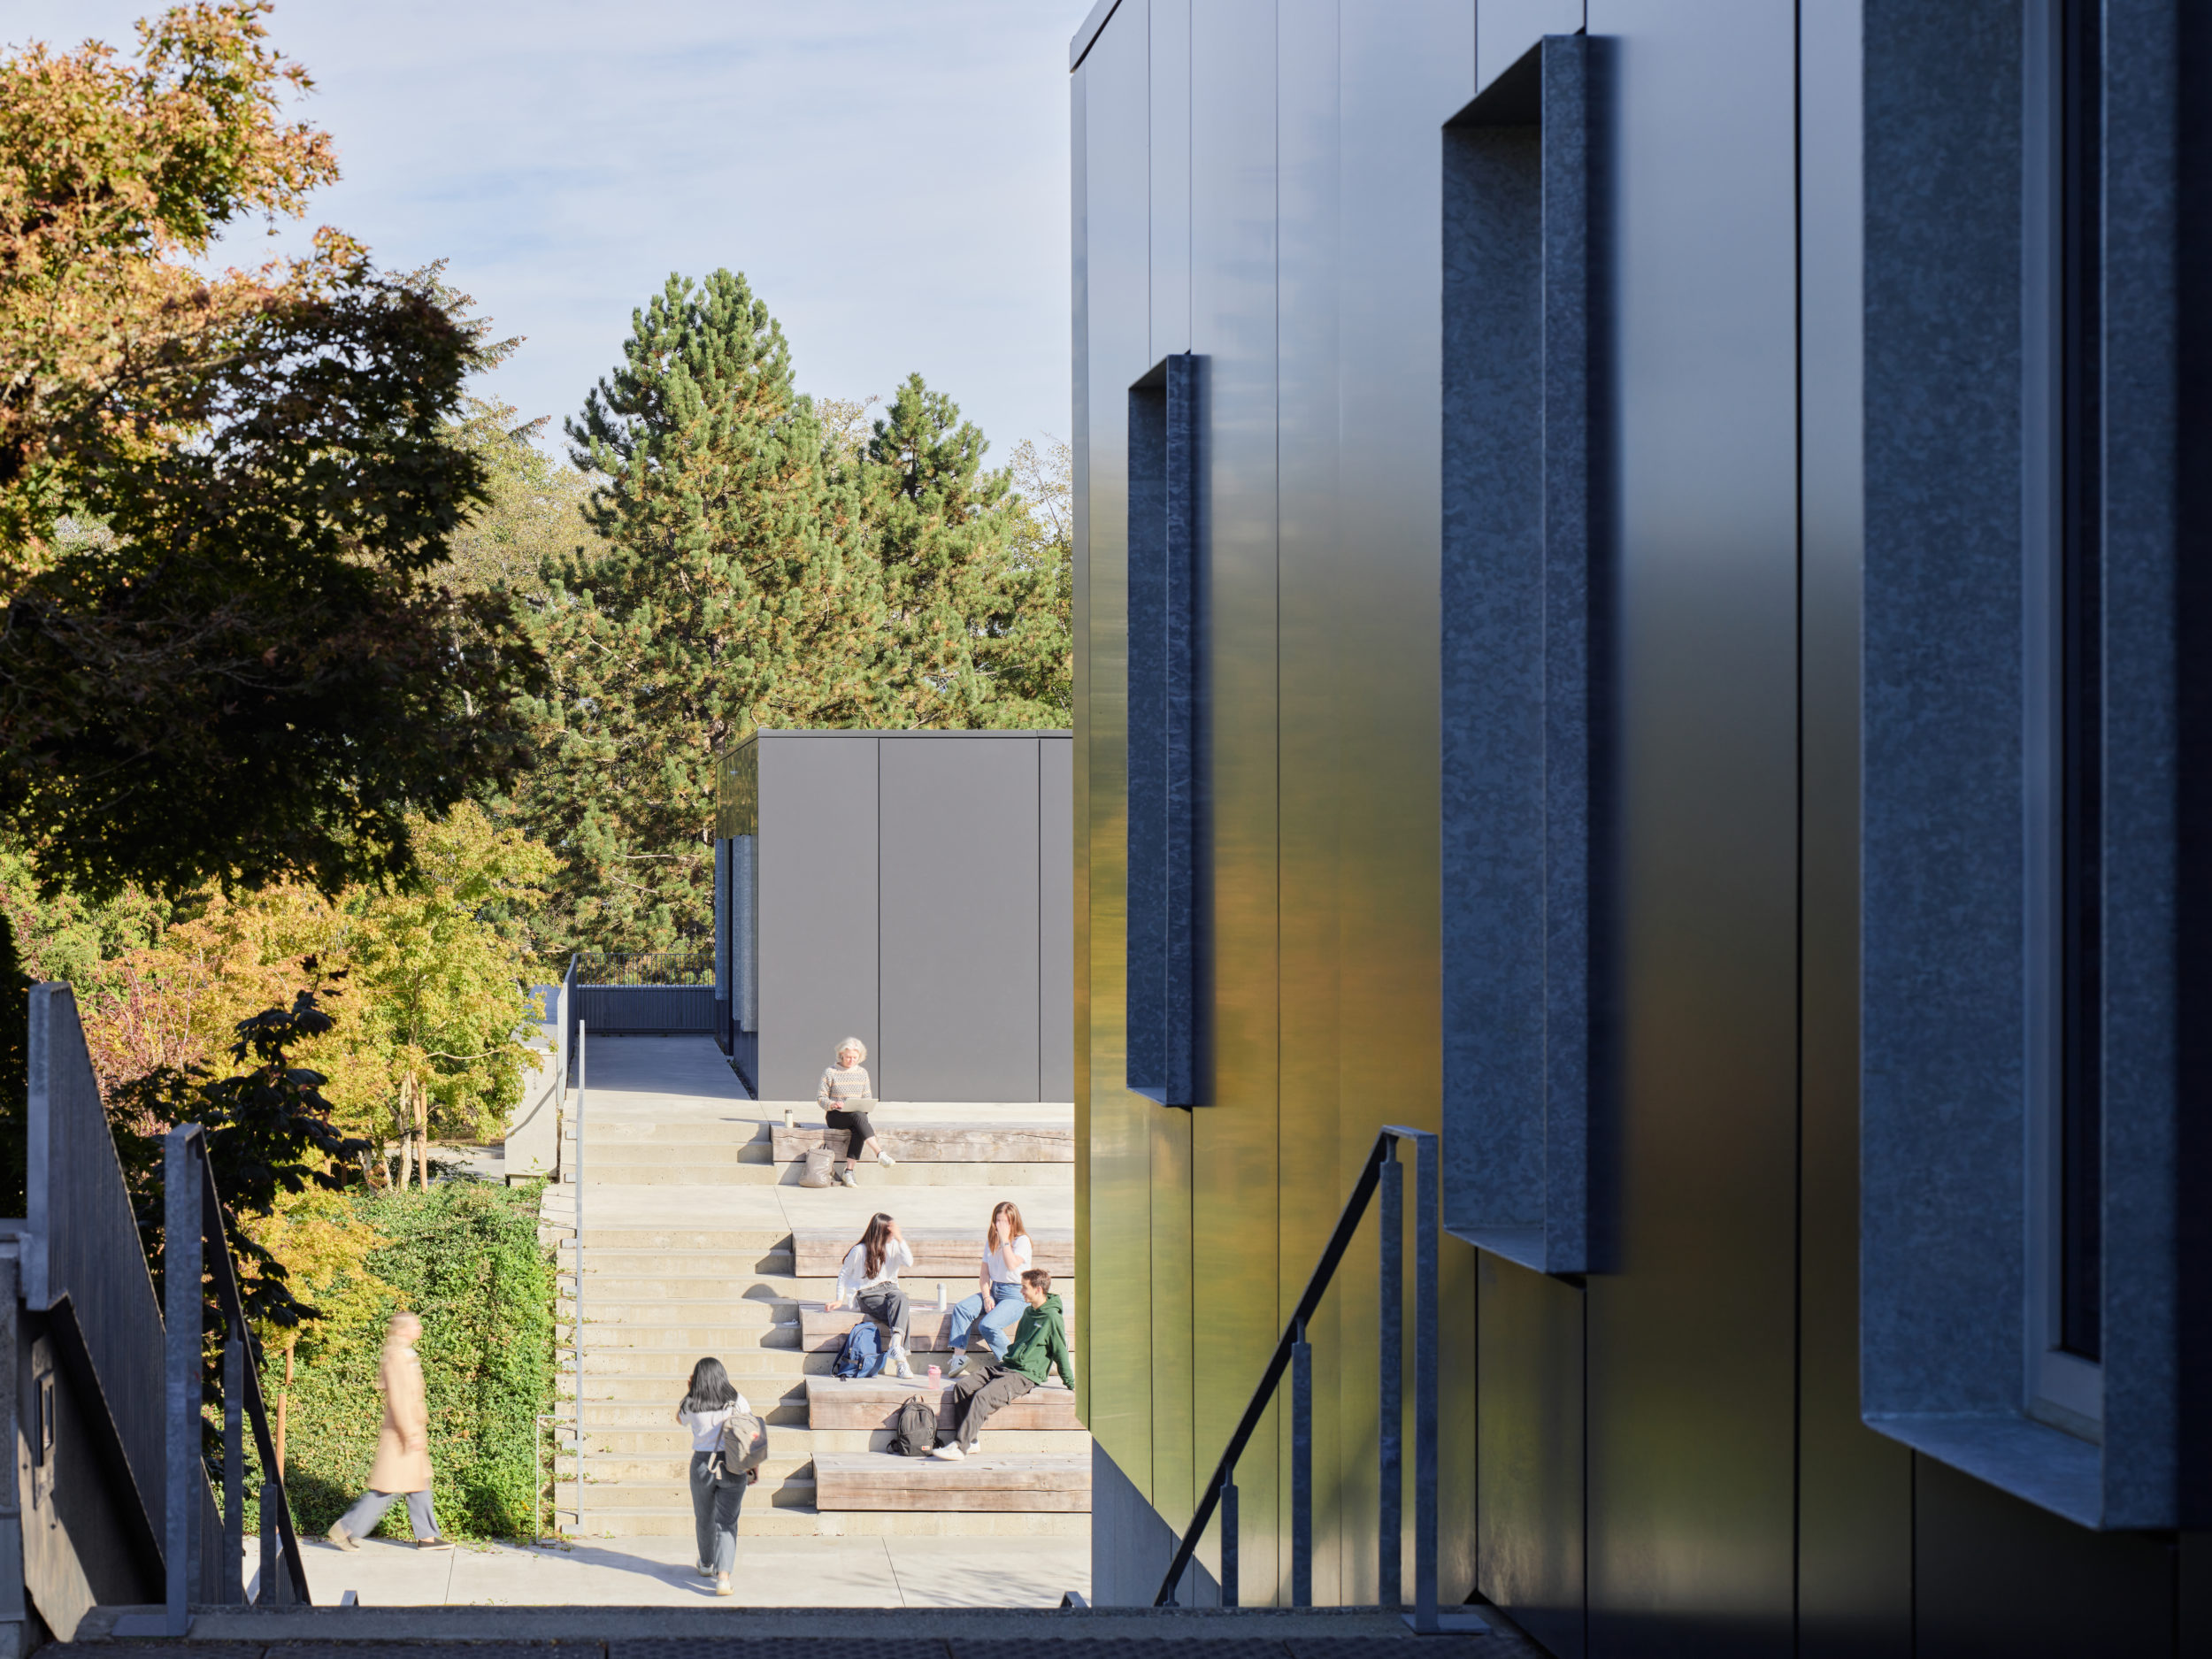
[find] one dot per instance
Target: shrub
(465, 1255)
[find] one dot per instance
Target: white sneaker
(900, 1369)
(885, 1158)
(950, 1454)
(848, 1179)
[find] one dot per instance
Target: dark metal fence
(647, 993)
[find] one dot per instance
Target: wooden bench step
(882, 1480)
(817, 1252)
(940, 1143)
(836, 1402)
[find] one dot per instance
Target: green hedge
(465, 1255)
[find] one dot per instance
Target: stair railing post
(265, 1591)
(576, 1302)
(181, 1311)
(1302, 1469)
(1390, 1523)
(1426, 1221)
(1229, 1588)
(234, 1468)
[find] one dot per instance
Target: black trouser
(975, 1394)
(857, 1126)
(886, 1305)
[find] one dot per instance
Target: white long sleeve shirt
(706, 1426)
(853, 1277)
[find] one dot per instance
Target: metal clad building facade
(1689, 695)
(908, 888)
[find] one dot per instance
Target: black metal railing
(196, 1244)
(683, 964)
(1295, 1354)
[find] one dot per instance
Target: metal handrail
(1292, 1353)
(194, 1238)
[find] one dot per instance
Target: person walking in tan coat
(403, 1447)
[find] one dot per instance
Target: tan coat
(402, 1445)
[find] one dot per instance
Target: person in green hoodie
(1039, 1340)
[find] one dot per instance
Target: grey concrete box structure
(908, 888)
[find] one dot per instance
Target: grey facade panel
(1056, 919)
(817, 912)
(957, 899)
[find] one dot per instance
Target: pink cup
(936, 1375)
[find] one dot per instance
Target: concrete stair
(664, 1281)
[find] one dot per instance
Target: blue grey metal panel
(1168, 659)
(1692, 1363)
(82, 1246)
(1854, 1488)
(817, 908)
(1056, 918)
(958, 897)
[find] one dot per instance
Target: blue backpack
(863, 1353)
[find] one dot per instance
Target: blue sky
(892, 178)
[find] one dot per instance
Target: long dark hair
(711, 1388)
(875, 1239)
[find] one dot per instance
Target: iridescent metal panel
(1233, 277)
(1692, 1371)
(1113, 348)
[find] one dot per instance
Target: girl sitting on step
(869, 1280)
(716, 1497)
(997, 1303)
(845, 1096)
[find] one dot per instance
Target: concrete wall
(533, 1128)
(909, 888)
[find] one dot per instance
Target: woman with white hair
(847, 1082)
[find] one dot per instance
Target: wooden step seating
(939, 1143)
(950, 1254)
(1034, 1457)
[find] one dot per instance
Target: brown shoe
(433, 1543)
(339, 1536)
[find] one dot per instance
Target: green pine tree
(729, 596)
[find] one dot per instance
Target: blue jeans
(998, 1324)
(715, 1502)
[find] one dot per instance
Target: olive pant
(975, 1394)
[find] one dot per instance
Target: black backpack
(916, 1434)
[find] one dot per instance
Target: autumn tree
(225, 500)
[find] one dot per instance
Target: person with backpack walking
(1041, 1341)
(869, 1280)
(844, 1097)
(719, 1476)
(997, 1303)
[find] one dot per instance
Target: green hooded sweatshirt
(1039, 1340)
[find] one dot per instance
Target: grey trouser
(361, 1519)
(886, 1305)
(975, 1394)
(715, 1501)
